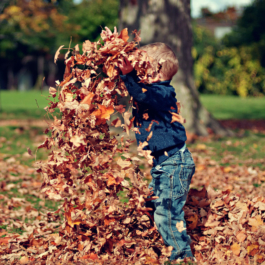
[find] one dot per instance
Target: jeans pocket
(186, 174)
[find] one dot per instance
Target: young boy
(173, 163)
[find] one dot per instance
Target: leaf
(124, 35)
(120, 108)
(110, 70)
(29, 151)
(77, 48)
(177, 118)
(87, 46)
(4, 240)
(149, 136)
(103, 112)
(91, 256)
(52, 91)
(57, 53)
(180, 226)
(192, 220)
(88, 99)
(235, 249)
(77, 140)
(123, 163)
(116, 123)
(24, 260)
(241, 236)
(253, 250)
(256, 221)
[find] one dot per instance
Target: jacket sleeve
(155, 96)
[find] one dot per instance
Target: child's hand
(125, 66)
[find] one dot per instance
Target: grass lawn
(22, 105)
(231, 107)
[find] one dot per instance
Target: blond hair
(162, 53)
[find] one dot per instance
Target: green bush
(226, 70)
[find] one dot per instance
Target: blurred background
(228, 49)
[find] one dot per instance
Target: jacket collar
(164, 83)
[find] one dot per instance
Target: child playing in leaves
(156, 110)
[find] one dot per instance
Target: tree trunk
(169, 21)
(39, 83)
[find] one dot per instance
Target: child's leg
(171, 182)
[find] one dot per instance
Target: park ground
(223, 164)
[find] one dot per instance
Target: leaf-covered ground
(100, 185)
(226, 218)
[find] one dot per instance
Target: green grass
(232, 107)
(23, 105)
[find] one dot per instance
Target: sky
(215, 5)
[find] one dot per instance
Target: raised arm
(160, 96)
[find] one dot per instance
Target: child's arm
(155, 96)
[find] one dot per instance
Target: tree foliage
(219, 69)
(42, 26)
(30, 25)
(250, 31)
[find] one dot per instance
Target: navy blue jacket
(152, 106)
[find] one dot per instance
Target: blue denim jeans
(170, 182)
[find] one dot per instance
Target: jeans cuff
(182, 255)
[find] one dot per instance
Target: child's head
(158, 51)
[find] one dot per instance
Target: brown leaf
(177, 118)
(192, 220)
(57, 53)
(124, 35)
(29, 151)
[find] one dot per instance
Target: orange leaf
(103, 113)
(124, 35)
(4, 240)
(111, 180)
(252, 249)
(241, 236)
(235, 249)
(92, 256)
(88, 99)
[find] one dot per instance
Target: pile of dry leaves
(87, 169)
